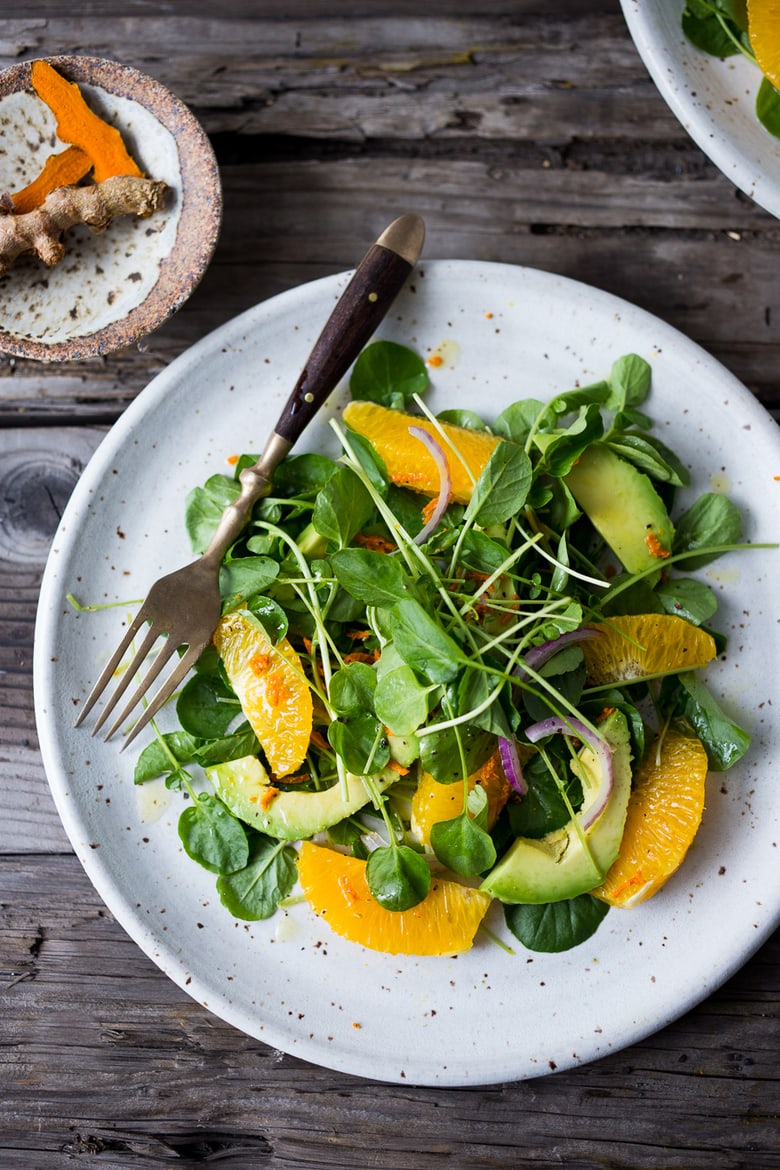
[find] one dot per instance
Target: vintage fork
(185, 605)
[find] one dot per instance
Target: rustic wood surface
(522, 130)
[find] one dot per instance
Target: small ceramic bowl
(110, 289)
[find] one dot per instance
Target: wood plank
(82, 1006)
(716, 281)
(491, 74)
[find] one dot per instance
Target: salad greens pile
(720, 28)
(431, 646)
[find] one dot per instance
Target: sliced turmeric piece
(59, 170)
(80, 126)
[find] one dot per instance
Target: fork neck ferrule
(255, 483)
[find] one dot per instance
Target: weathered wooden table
(522, 130)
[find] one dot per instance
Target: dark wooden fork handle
(365, 301)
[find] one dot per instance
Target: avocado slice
(246, 789)
(570, 861)
(623, 507)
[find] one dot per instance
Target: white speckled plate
(487, 1016)
(109, 289)
(714, 100)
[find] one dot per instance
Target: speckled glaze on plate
(110, 289)
(713, 100)
(487, 1016)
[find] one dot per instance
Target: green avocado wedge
(244, 786)
(571, 861)
(623, 506)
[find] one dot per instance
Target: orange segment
(335, 886)
(270, 685)
(408, 462)
(664, 812)
(764, 31)
(433, 802)
(636, 645)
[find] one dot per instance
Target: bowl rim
(199, 221)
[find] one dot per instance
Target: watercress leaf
(556, 926)
(164, 755)
(361, 743)
(342, 507)
(561, 449)
(371, 577)
(242, 742)
(689, 599)
(212, 836)
(651, 456)
(371, 461)
(560, 578)
(400, 702)
(256, 890)
(543, 808)
(241, 579)
(580, 398)
(481, 552)
(204, 507)
(705, 25)
(463, 846)
(397, 877)
(270, 615)
(768, 107)
(640, 597)
(724, 740)
(303, 474)
(207, 706)
(474, 688)
(349, 832)
(352, 689)
(440, 752)
(629, 382)
(519, 419)
(564, 510)
(502, 488)
(422, 643)
(468, 419)
(388, 373)
(713, 519)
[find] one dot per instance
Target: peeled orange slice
(270, 685)
(764, 32)
(664, 813)
(433, 802)
(335, 886)
(636, 645)
(408, 462)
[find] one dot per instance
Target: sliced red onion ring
(593, 808)
(510, 761)
(538, 655)
(445, 482)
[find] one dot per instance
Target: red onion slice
(445, 482)
(593, 808)
(538, 655)
(513, 769)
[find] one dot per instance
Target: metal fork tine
(110, 667)
(164, 693)
(150, 637)
(165, 653)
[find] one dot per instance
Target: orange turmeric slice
(59, 170)
(80, 126)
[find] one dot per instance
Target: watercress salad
(430, 637)
(720, 29)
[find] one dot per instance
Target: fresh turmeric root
(40, 231)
